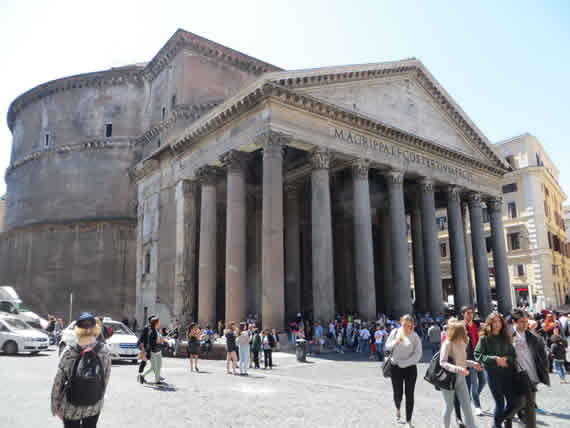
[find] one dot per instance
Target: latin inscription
(398, 153)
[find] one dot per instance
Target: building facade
(244, 188)
(535, 231)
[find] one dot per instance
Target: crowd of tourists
(511, 354)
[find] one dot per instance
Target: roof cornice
(185, 39)
(112, 77)
(238, 105)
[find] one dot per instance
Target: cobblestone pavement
(333, 391)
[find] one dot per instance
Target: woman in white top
(243, 343)
(406, 348)
(454, 347)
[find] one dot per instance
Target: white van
(10, 303)
(18, 336)
(122, 343)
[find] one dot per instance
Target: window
(538, 160)
(510, 188)
(147, 263)
(173, 100)
(441, 222)
(514, 241)
(46, 140)
(443, 250)
(549, 240)
(546, 209)
(510, 160)
(512, 210)
(108, 130)
(158, 142)
(163, 114)
(519, 270)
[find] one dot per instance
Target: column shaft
(321, 231)
(272, 262)
(292, 254)
(363, 249)
(186, 237)
(457, 248)
(401, 298)
(420, 289)
(431, 248)
(236, 268)
(480, 261)
(502, 285)
(207, 260)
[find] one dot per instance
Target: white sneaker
(398, 417)
(478, 411)
(409, 425)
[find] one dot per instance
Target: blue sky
(507, 63)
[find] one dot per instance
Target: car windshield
(118, 328)
(16, 324)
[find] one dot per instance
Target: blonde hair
(407, 317)
(91, 331)
(456, 331)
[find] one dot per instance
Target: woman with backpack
(75, 399)
(497, 355)
(453, 358)
(406, 348)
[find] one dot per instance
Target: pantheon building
(209, 185)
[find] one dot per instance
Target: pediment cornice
(238, 105)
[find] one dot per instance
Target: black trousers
(267, 357)
(404, 379)
(90, 422)
(256, 359)
(143, 363)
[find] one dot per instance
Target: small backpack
(271, 340)
(438, 376)
(87, 383)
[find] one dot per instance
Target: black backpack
(271, 341)
(438, 376)
(87, 383)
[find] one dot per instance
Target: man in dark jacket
(531, 355)
(143, 345)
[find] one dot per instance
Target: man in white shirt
(365, 337)
(379, 336)
(564, 324)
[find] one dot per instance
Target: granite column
(292, 253)
(504, 301)
(457, 248)
(480, 261)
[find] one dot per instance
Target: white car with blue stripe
(122, 343)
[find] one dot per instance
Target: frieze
(395, 152)
(91, 145)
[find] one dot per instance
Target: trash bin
(301, 350)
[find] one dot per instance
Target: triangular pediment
(402, 102)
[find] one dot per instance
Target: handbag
(387, 365)
(522, 385)
(438, 376)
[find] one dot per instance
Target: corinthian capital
(207, 175)
(320, 159)
(426, 185)
(495, 204)
(234, 160)
(453, 193)
(291, 190)
(395, 176)
(360, 169)
(272, 141)
(474, 200)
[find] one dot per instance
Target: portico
(304, 185)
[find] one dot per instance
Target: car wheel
(34, 353)
(10, 348)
